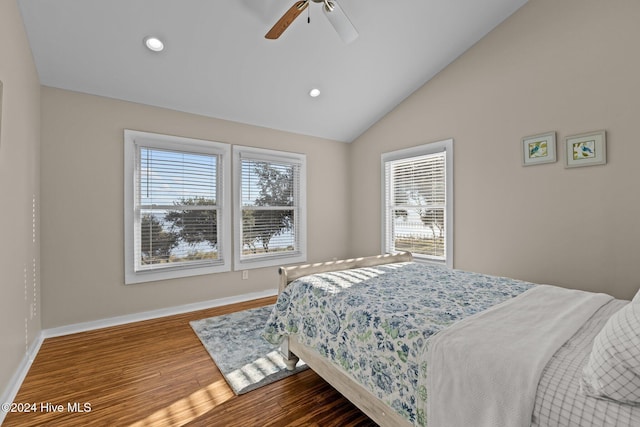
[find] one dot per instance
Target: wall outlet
(245, 274)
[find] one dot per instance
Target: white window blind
(176, 221)
(416, 199)
(270, 209)
(178, 209)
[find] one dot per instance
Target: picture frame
(586, 149)
(539, 149)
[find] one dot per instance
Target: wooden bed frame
(292, 350)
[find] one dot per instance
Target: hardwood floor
(157, 373)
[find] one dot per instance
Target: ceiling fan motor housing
(333, 12)
(328, 5)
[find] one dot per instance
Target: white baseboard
(153, 314)
(16, 381)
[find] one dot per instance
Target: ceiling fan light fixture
(314, 93)
(154, 44)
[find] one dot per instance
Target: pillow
(613, 369)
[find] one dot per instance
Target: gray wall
(568, 66)
(19, 194)
(82, 206)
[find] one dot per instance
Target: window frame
(132, 140)
(415, 152)
(269, 260)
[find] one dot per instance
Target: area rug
(235, 344)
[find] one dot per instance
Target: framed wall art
(537, 149)
(586, 149)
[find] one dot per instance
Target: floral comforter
(375, 322)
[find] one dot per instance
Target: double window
(418, 201)
(178, 207)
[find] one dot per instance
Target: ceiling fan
(332, 11)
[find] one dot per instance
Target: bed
(413, 344)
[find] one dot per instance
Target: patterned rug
(246, 360)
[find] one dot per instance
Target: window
(176, 219)
(270, 207)
(418, 201)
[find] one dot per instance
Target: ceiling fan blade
(286, 19)
(340, 21)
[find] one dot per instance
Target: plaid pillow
(613, 369)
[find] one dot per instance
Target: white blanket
(483, 371)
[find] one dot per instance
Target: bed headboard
(289, 274)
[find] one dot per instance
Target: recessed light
(153, 43)
(314, 92)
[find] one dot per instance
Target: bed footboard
(289, 274)
(340, 380)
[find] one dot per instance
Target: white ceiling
(217, 62)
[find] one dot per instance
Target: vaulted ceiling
(217, 63)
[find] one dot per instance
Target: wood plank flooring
(157, 373)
